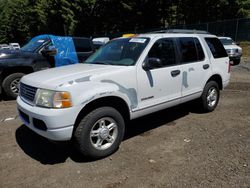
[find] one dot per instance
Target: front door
(160, 86)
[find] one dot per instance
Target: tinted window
(187, 50)
(216, 47)
(163, 49)
(82, 45)
(199, 49)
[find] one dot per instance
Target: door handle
(206, 66)
(175, 73)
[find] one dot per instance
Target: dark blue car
(42, 52)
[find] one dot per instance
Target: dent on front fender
(131, 93)
(86, 90)
(107, 89)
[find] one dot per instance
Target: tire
(99, 133)
(236, 62)
(11, 85)
(210, 96)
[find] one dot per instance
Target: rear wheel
(100, 132)
(210, 96)
(11, 85)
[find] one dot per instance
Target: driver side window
(45, 45)
(164, 49)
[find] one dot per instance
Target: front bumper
(59, 122)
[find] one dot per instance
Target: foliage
(23, 19)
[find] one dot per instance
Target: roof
(186, 31)
(160, 35)
(176, 33)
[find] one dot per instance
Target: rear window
(82, 45)
(216, 47)
(190, 49)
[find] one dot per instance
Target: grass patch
(246, 49)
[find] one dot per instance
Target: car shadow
(47, 152)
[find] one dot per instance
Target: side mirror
(49, 51)
(151, 63)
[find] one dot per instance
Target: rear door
(196, 68)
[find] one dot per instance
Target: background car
(4, 46)
(100, 41)
(14, 46)
(234, 51)
(41, 52)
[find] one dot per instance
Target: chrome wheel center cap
(104, 133)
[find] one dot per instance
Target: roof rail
(186, 31)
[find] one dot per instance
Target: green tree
(244, 8)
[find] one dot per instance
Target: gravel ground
(177, 147)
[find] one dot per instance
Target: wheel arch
(112, 101)
(18, 69)
(218, 79)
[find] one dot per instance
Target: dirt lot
(177, 147)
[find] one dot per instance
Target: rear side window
(82, 45)
(190, 50)
(216, 47)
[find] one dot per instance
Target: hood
(14, 54)
(229, 47)
(67, 75)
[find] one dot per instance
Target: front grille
(27, 92)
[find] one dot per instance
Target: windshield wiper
(100, 63)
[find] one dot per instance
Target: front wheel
(210, 96)
(100, 132)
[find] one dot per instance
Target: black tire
(7, 85)
(82, 135)
(208, 105)
(236, 62)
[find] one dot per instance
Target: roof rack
(186, 31)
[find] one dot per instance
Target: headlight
(53, 99)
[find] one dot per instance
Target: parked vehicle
(100, 41)
(14, 46)
(4, 47)
(233, 50)
(126, 79)
(42, 52)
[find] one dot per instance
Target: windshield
(227, 41)
(123, 51)
(35, 44)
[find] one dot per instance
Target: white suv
(234, 51)
(125, 79)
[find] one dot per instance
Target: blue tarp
(66, 53)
